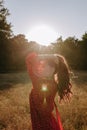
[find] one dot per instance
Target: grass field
(14, 103)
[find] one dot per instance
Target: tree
(83, 51)
(84, 37)
(5, 28)
(5, 34)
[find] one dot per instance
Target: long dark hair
(63, 75)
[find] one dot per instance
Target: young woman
(49, 75)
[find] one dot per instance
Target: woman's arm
(30, 59)
(50, 58)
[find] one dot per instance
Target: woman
(49, 75)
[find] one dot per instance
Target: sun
(42, 34)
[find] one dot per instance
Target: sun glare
(42, 34)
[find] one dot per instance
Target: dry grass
(14, 103)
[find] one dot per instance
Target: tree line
(14, 48)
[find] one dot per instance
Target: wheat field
(14, 103)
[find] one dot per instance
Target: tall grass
(14, 103)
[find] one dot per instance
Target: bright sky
(66, 17)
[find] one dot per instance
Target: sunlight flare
(42, 34)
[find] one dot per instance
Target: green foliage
(16, 49)
(5, 34)
(84, 37)
(5, 28)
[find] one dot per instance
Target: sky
(66, 17)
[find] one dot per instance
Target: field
(14, 103)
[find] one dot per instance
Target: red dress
(41, 112)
